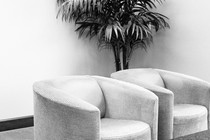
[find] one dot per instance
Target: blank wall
(34, 45)
(185, 47)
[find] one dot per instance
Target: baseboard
(16, 123)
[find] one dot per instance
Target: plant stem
(124, 57)
(116, 51)
(126, 66)
(118, 65)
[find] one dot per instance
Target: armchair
(183, 100)
(93, 108)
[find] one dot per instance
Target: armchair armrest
(166, 103)
(186, 89)
(129, 101)
(59, 116)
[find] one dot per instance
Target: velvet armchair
(93, 108)
(184, 100)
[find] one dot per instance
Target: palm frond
(119, 24)
(108, 33)
(102, 44)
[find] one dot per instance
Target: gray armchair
(183, 100)
(93, 108)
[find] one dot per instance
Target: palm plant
(121, 25)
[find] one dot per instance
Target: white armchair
(184, 101)
(93, 108)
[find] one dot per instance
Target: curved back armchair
(93, 108)
(183, 100)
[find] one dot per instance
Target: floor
(27, 134)
(18, 134)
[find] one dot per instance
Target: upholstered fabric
(148, 76)
(187, 113)
(60, 116)
(136, 103)
(179, 89)
(187, 89)
(115, 129)
(82, 87)
(64, 110)
(189, 118)
(166, 102)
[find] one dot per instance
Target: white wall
(185, 47)
(34, 45)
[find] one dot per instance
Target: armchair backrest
(145, 75)
(129, 101)
(83, 87)
(187, 89)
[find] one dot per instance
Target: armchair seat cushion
(186, 113)
(189, 118)
(115, 129)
